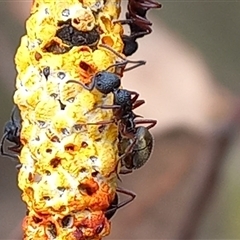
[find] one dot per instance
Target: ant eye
(99, 75)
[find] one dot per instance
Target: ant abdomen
(136, 151)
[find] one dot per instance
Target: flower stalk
(68, 174)
(72, 145)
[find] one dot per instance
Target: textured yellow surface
(68, 174)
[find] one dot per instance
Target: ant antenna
(125, 60)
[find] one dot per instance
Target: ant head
(130, 45)
(106, 82)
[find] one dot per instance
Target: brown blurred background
(190, 189)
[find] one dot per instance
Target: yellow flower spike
(94, 5)
(112, 8)
(69, 141)
(107, 25)
(102, 59)
(46, 109)
(70, 137)
(22, 55)
(43, 31)
(30, 79)
(68, 92)
(47, 59)
(82, 19)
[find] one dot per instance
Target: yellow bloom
(72, 145)
(68, 174)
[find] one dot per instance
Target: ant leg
(125, 62)
(104, 107)
(123, 131)
(113, 208)
(2, 149)
(138, 103)
(116, 171)
(138, 63)
(16, 148)
(135, 96)
(9, 155)
(2, 142)
(149, 4)
(137, 21)
(125, 171)
(127, 152)
(18, 166)
(118, 64)
(89, 87)
(128, 149)
(13, 112)
(126, 192)
(101, 122)
(113, 51)
(109, 107)
(151, 122)
(123, 22)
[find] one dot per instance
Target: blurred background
(190, 189)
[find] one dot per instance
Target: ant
(124, 102)
(136, 143)
(115, 205)
(138, 23)
(12, 134)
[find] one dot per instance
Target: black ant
(124, 103)
(115, 205)
(138, 23)
(135, 143)
(12, 134)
